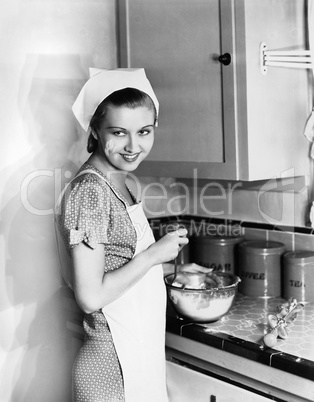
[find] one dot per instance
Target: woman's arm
(94, 289)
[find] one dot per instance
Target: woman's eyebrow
(121, 128)
(116, 127)
(148, 125)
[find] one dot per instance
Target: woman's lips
(130, 158)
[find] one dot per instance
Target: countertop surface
(242, 330)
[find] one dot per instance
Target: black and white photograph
(157, 200)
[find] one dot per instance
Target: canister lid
(219, 240)
(262, 247)
(299, 257)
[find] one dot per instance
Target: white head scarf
(103, 83)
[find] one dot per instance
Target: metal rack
(284, 58)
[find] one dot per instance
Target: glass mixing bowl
(203, 305)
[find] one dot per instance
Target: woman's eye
(119, 133)
(144, 132)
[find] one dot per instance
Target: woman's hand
(210, 277)
(192, 276)
(195, 276)
(194, 268)
(168, 247)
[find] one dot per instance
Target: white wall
(46, 48)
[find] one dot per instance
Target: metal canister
(260, 268)
(298, 275)
(217, 252)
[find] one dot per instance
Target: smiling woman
(115, 265)
(123, 134)
(129, 98)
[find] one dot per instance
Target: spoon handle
(175, 269)
(176, 226)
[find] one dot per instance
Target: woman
(116, 266)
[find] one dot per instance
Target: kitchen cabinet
(220, 117)
(229, 360)
(186, 385)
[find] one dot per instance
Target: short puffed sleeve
(86, 212)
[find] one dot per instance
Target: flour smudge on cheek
(110, 147)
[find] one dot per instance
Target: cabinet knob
(225, 59)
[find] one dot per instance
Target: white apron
(137, 323)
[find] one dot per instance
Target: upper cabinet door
(220, 117)
(179, 43)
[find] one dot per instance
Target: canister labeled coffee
(298, 275)
(217, 252)
(260, 268)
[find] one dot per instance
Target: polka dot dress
(96, 373)
(94, 212)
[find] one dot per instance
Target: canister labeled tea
(217, 252)
(298, 275)
(260, 268)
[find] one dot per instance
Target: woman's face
(126, 136)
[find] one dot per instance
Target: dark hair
(127, 97)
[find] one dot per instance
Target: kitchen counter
(239, 335)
